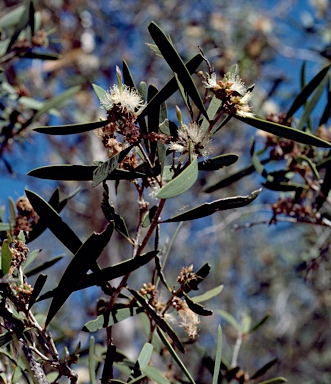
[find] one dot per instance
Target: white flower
(235, 83)
(211, 81)
(126, 98)
(191, 138)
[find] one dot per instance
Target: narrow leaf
(157, 319)
(218, 356)
(39, 284)
(208, 295)
(91, 360)
(42, 267)
(283, 131)
(180, 183)
(175, 356)
(230, 319)
(213, 107)
(102, 172)
(22, 23)
(85, 257)
(54, 222)
(6, 257)
(218, 162)
(107, 320)
(5, 227)
(171, 87)
(56, 101)
(312, 103)
(306, 92)
(276, 380)
(71, 129)
(207, 209)
(154, 374)
(101, 93)
(258, 324)
(196, 307)
(176, 64)
(264, 369)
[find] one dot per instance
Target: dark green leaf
(39, 55)
(80, 172)
(56, 101)
(258, 324)
(201, 274)
(312, 104)
(306, 92)
(54, 222)
(101, 277)
(71, 129)
(311, 165)
(85, 257)
(207, 209)
(42, 267)
(218, 356)
(196, 307)
(38, 286)
(264, 369)
(282, 186)
(176, 64)
(326, 185)
(174, 355)
(283, 131)
(180, 183)
(107, 320)
(127, 77)
(154, 374)
(5, 338)
(218, 162)
(160, 322)
(102, 172)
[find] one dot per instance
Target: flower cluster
(233, 93)
(191, 140)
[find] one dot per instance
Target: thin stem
(236, 349)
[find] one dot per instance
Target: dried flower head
(233, 93)
(192, 139)
(189, 319)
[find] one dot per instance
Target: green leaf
(218, 356)
(230, 319)
(159, 321)
(91, 361)
(38, 286)
(5, 227)
(154, 374)
(39, 55)
(11, 18)
(180, 183)
(264, 369)
(107, 320)
(85, 257)
(200, 274)
(171, 87)
(71, 129)
(196, 307)
(101, 93)
(102, 172)
(142, 362)
(127, 76)
(6, 257)
(282, 186)
(56, 101)
(213, 107)
(311, 165)
(175, 356)
(312, 103)
(283, 131)
(306, 92)
(155, 49)
(176, 64)
(218, 162)
(207, 209)
(208, 295)
(12, 211)
(22, 23)
(54, 222)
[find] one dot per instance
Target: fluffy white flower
(211, 81)
(192, 138)
(235, 83)
(128, 99)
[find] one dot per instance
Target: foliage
(161, 159)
